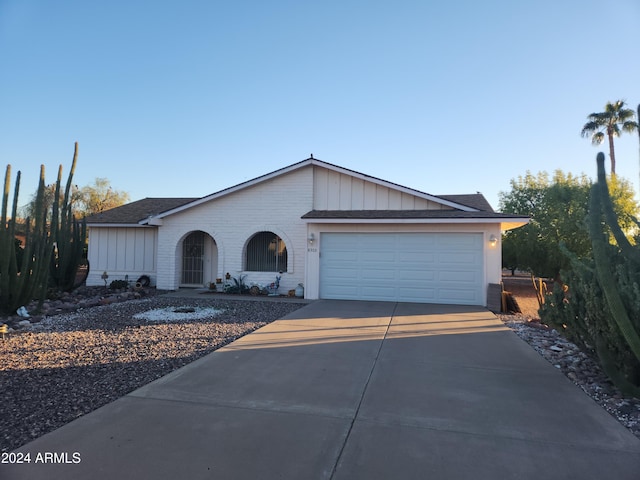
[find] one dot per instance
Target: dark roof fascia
(402, 214)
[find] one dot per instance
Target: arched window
(266, 252)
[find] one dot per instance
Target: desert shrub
(118, 284)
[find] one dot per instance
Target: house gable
(338, 188)
(344, 190)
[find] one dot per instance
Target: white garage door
(404, 267)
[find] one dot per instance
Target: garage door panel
(466, 258)
(408, 257)
(376, 275)
(414, 267)
(378, 257)
(343, 292)
(341, 261)
(462, 277)
(409, 295)
(457, 295)
(416, 275)
(373, 290)
(342, 275)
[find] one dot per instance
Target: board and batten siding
(121, 251)
(337, 191)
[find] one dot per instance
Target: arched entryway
(199, 260)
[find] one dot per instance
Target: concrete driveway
(351, 390)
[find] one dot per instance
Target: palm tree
(612, 122)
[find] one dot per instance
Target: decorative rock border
(581, 369)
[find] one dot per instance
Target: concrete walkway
(351, 390)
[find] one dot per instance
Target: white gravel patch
(178, 314)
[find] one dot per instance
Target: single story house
(340, 233)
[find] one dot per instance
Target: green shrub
(118, 284)
(598, 309)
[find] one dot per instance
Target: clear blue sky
(185, 98)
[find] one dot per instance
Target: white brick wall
(231, 221)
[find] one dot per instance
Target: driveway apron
(350, 390)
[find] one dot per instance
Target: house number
(312, 249)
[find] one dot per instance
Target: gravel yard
(68, 365)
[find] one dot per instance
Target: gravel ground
(68, 365)
(578, 367)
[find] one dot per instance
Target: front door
(193, 259)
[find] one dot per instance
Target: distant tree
(611, 123)
(557, 207)
(29, 210)
(84, 201)
(100, 196)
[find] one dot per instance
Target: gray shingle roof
(474, 200)
(133, 212)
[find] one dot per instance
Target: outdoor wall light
(311, 238)
(493, 240)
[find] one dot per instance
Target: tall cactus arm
(13, 261)
(67, 234)
(5, 246)
(67, 190)
(605, 277)
(8, 261)
(5, 195)
(612, 219)
(55, 206)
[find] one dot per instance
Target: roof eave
(505, 223)
(118, 225)
(513, 223)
